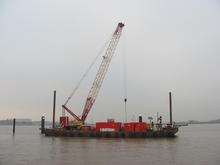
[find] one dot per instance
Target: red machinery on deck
(109, 126)
(64, 121)
(132, 127)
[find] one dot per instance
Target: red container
(108, 127)
(64, 121)
(129, 127)
(135, 127)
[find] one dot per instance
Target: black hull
(171, 132)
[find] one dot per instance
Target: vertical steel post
(54, 108)
(42, 124)
(14, 125)
(125, 100)
(170, 102)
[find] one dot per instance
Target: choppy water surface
(195, 144)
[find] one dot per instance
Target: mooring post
(42, 124)
(140, 119)
(14, 125)
(170, 102)
(54, 108)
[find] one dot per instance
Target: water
(195, 144)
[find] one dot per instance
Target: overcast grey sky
(171, 45)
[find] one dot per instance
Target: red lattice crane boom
(93, 93)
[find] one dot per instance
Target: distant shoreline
(49, 123)
(20, 122)
(205, 123)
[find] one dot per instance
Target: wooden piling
(42, 124)
(54, 108)
(14, 126)
(170, 103)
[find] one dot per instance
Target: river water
(194, 144)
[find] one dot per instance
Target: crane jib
(93, 93)
(100, 75)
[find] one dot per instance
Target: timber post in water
(14, 126)
(54, 108)
(170, 103)
(42, 124)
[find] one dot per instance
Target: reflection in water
(195, 144)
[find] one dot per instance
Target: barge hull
(121, 134)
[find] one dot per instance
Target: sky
(166, 46)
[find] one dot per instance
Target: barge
(110, 128)
(167, 131)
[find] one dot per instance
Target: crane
(97, 83)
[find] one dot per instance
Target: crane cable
(124, 77)
(87, 71)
